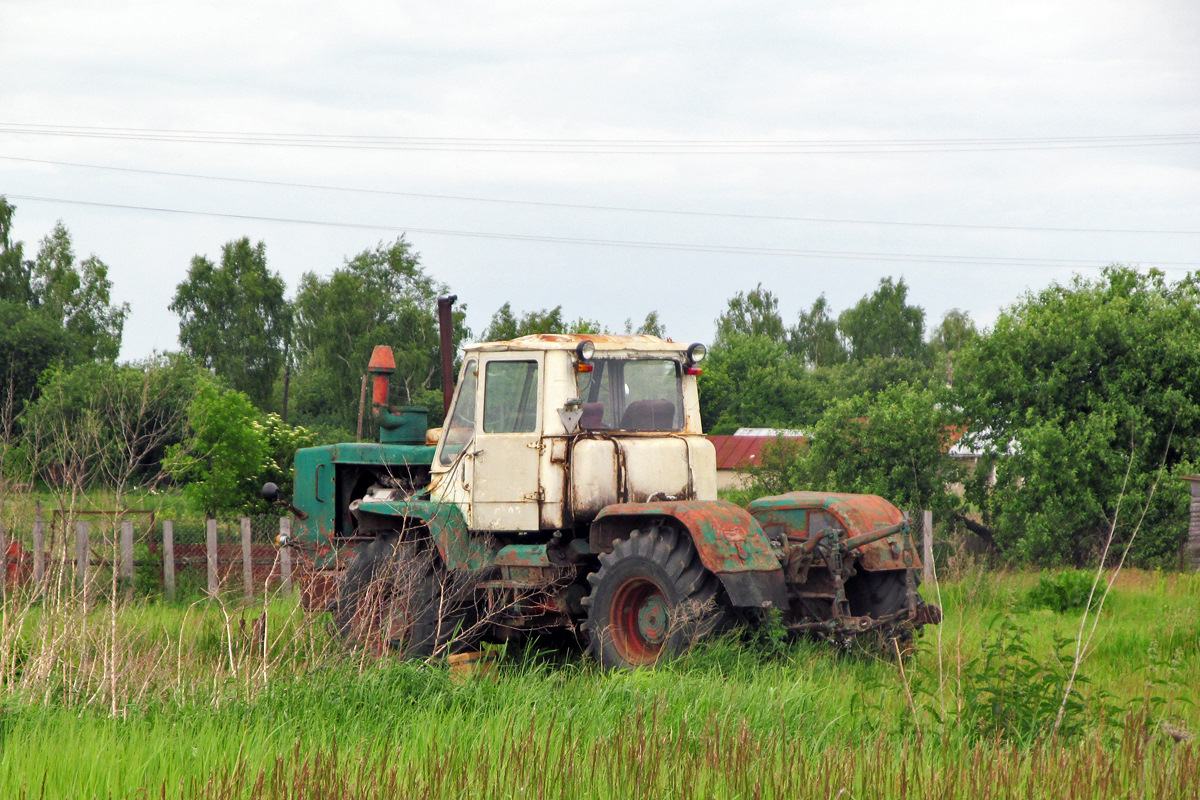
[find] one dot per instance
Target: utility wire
(686, 247)
(605, 146)
(586, 207)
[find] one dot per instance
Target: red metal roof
(741, 452)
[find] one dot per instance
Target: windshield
(632, 394)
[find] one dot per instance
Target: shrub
(1061, 592)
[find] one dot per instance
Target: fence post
(927, 545)
(127, 557)
(247, 564)
(169, 558)
(81, 555)
(39, 547)
(285, 553)
(213, 579)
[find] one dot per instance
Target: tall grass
(204, 702)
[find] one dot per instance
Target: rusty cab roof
(860, 513)
(569, 341)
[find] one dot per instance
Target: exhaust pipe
(445, 331)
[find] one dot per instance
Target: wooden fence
(261, 564)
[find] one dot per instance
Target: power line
(605, 146)
(586, 207)
(686, 247)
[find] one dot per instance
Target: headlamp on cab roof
(585, 350)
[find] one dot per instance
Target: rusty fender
(729, 541)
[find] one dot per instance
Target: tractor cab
(546, 430)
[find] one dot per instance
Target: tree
(100, 424)
(753, 313)
(230, 451)
(16, 273)
(883, 324)
(651, 326)
(380, 296)
(815, 337)
(956, 331)
(234, 319)
(752, 381)
(1076, 388)
(505, 325)
(893, 444)
(53, 311)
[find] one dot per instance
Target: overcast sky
(517, 143)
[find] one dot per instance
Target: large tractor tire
(650, 599)
(395, 596)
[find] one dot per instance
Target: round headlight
(586, 350)
(696, 353)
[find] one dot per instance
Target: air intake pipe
(404, 425)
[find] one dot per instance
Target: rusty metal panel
(727, 538)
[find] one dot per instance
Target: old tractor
(571, 488)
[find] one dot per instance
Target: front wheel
(650, 599)
(395, 596)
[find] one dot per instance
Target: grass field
(186, 701)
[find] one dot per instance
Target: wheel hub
(652, 620)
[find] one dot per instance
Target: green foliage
(751, 381)
(53, 312)
(1075, 388)
(380, 296)
(234, 319)
(231, 452)
(1009, 692)
(505, 325)
(1069, 590)
(102, 424)
(751, 314)
(816, 338)
(892, 444)
(652, 325)
(883, 324)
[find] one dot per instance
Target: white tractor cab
(545, 431)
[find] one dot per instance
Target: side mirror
(270, 492)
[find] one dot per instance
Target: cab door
(506, 491)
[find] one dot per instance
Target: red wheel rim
(639, 621)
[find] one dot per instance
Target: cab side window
(460, 426)
(510, 397)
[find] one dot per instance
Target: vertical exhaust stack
(445, 331)
(403, 426)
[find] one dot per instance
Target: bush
(1061, 592)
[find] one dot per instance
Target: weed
(1061, 592)
(1009, 692)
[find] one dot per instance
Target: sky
(611, 157)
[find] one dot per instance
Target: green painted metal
(458, 548)
(524, 555)
(405, 425)
(315, 490)
(395, 455)
(861, 515)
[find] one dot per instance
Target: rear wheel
(650, 599)
(396, 597)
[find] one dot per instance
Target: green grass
(197, 710)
